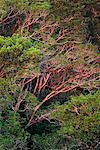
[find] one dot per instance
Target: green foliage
(79, 117)
(29, 53)
(53, 141)
(12, 48)
(7, 87)
(83, 126)
(62, 8)
(44, 142)
(22, 6)
(7, 6)
(37, 7)
(11, 137)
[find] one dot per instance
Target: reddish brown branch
(52, 94)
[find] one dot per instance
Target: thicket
(49, 75)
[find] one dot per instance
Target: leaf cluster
(79, 117)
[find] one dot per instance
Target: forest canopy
(49, 74)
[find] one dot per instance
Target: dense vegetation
(49, 75)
